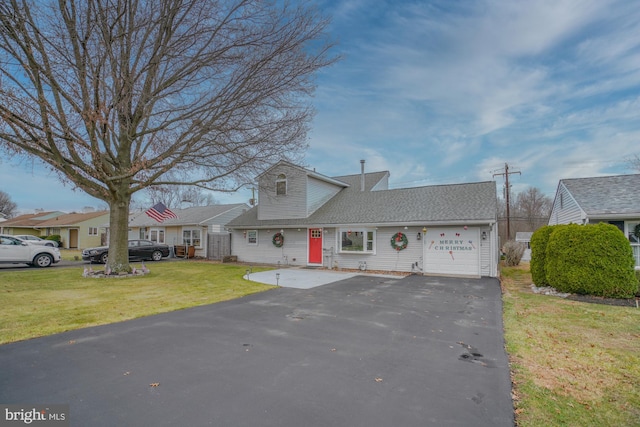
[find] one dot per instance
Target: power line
(506, 174)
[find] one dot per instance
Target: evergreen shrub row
(593, 259)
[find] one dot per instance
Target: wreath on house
(278, 240)
(636, 231)
(399, 241)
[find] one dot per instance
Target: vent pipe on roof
(361, 175)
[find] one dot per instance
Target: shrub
(55, 238)
(591, 259)
(513, 252)
(539, 240)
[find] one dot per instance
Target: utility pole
(506, 174)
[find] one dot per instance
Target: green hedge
(591, 259)
(539, 240)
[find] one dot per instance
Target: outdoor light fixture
(484, 235)
(419, 236)
(424, 230)
(278, 279)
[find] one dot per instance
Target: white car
(16, 251)
(35, 240)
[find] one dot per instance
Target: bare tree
(634, 163)
(530, 212)
(113, 95)
(533, 207)
(173, 196)
(7, 206)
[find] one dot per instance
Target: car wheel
(156, 255)
(43, 260)
(104, 257)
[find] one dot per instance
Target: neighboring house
(28, 223)
(76, 230)
(352, 221)
(525, 237)
(610, 199)
(189, 229)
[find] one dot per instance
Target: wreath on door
(636, 231)
(399, 241)
(278, 240)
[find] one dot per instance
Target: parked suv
(35, 240)
(16, 251)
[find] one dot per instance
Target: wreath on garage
(399, 241)
(278, 240)
(636, 231)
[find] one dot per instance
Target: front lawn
(573, 363)
(38, 302)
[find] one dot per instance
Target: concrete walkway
(305, 278)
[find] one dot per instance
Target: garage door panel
(452, 251)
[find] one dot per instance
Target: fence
(219, 246)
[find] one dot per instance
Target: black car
(138, 249)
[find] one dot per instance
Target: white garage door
(452, 251)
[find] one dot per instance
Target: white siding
(293, 252)
(385, 258)
(318, 193)
(290, 206)
(218, 223)
(565, 209)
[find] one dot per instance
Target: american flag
(160, 212)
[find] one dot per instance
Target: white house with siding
(610, 199)
(357, 222)
(191, 228)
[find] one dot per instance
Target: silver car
(35, 240)
(16, 251)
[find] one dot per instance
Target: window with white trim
(156, 235)
(252, 237)
(357, 240)
(93, 231)
(191, 237)
(281, 185)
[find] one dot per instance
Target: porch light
(484, 235)
(424, 230)
(277, 279)
(419, 236)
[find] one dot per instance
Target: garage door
(452, 251)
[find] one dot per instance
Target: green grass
(71, 254)
(38, 302)
(573, 363)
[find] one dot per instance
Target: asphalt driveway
(365, 351)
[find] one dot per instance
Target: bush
(56, 238)
(591, 259)
(539, 240)
(513, 252)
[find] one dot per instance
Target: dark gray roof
(370, 180)
(619, 194)
(456, 203)
(197, 215)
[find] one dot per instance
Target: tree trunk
(119, 233)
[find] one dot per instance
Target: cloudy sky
(440, 92)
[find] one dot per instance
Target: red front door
(315, 246)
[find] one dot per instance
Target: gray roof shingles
(438, 203)
(198, 215)
(603, 195)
